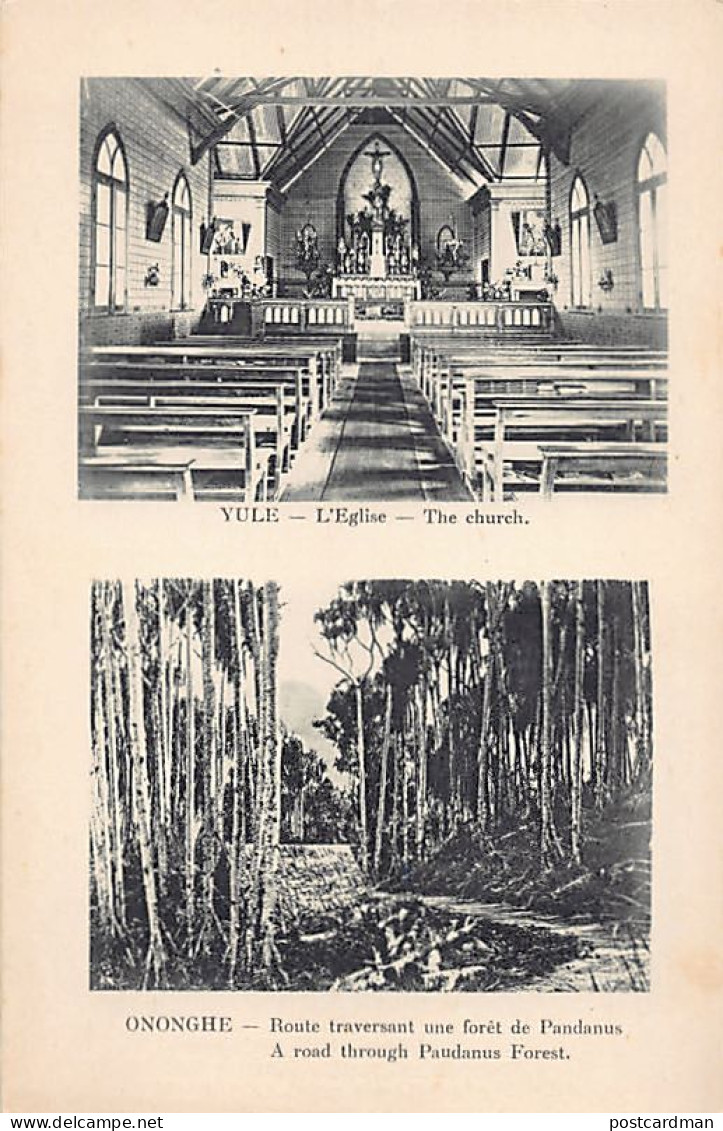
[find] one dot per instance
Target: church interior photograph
(371, 289)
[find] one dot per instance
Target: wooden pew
(322, 365)
(102, 379)
(315, 376)
(604, 466)
(137, 473)
(263, 399)
(571, 365)
(274, 421)
(431, 358)
(321, 356)
(514, 428)
(211, 441)
(457, 400)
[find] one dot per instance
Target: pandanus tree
(489, 702)
(186, 774)
(348, 628)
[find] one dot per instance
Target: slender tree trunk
(548, 838)
(238, 816)
(156, 957)
(616, 778)
(383, 775)
(113, 712)
(273, 776)
(100, 823)
(260, 803)
(405, 788)
(163, 751)
(395, 831)
(600, 744)
(483, 797)
(190, 863)
(420, 714)
(209, 740)
(576, 768)
(361, 759)
(642, 718)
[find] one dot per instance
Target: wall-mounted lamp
(606, 281)
(153, 276)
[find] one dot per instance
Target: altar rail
(289, 316)
(482, 317)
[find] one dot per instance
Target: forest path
(378, 442)
(610, 960)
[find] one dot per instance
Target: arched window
(580, 244)
(181, 236)
(110, 197)
(652, 191)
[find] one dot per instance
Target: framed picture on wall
(208, 233)
(606, 218)
(156, 216)
(529, 229)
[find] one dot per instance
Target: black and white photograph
(310, 289)
(378, 785)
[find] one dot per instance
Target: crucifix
(377, 155)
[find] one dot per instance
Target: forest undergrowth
(610, 885)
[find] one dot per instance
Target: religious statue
(378, 196)
(341, 252)
(377, 155)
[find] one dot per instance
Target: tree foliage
(482, 702)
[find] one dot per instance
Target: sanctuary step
(378, 341)
(378, 347)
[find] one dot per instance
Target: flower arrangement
(308, 257)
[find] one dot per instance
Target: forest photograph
(381, 785)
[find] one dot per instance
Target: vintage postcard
(362, 495)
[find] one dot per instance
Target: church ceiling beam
(359, 98)
(254, 148)
(503, 143)
(546, 109)
(414, 132)
(473, 124)
(285, 184)
(252, 99)
(451, 134)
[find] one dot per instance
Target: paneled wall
(273, 233)
(313, 197)
(605, 147)
(156, 145)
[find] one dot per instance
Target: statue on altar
(341, 254)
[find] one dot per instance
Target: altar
(377, 260)
(366, 289)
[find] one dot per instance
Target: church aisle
(378, 443)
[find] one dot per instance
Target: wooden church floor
(378, 442)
